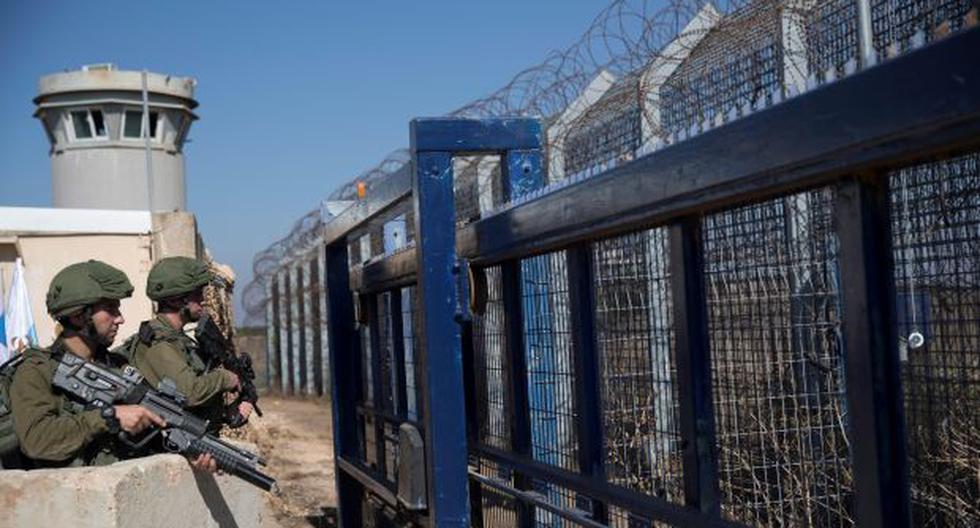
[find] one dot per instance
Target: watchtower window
(88, 124)
(133, 124)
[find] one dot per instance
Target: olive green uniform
(173, 354)
(54, 430)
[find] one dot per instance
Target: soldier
(52, 429)
(163, 350)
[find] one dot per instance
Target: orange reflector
(361, 190)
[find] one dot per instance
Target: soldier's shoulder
(38, 356)
(157, 330)
(38, 363)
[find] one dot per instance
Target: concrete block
(160, 490)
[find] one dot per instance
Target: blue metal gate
(707, 335)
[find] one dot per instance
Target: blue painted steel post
(523, 174)
(442, 373)
(444, 413)
(344, 345)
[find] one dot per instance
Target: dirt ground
(295, 437)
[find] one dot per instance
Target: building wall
(41, 238)
(46, 255)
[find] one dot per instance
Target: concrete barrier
(161, 490)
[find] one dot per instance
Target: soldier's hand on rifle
(245, 409)
(205, 462)
(134, 419)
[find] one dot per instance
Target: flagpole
(4, 353)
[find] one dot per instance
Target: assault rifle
(216, 349)
(185, 433)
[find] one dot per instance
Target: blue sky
(296, 98)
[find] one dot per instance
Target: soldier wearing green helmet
(162, 350)
(52, 429)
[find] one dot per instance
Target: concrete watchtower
(101, 154)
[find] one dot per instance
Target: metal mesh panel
(466, 190)
(377, 239)
(547, 341)
(636, 349)
(499, 510)
(477, 186)
(777, 364)
(413, 379)
(359, 250)
(564, 498)
(620, 518)
(489, 340)
(831, 32)
(605, 138)
(936, 239)
(391, 452)
(386, 348)
(895, 21)
(367, 376)
(730, 68)
(387, 379)
(369, 443)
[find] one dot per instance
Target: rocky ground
(295, 437)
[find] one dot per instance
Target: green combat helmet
(84, 284)
(175, 276)
(73, 288)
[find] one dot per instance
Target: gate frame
(770, 153)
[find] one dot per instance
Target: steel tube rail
(641, 504)
(860, 122)
(579, 517)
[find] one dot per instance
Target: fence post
(866, 41)
(316, 319)
(694, 366)
(521, 173)
(518, 402)
(285, 344)
(444, 417)
(379, 381)
(874, 393)
(345, 373)
(272, 329)
(588, 390)
(433, 142)
(302, 322)
(398, 353)
(472, 413)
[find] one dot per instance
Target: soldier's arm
(168, 362)
(43, 430)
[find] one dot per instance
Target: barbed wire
(649, 73)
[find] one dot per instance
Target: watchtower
(116, 137)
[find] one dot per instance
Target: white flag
(19, 319)
(4, 355)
